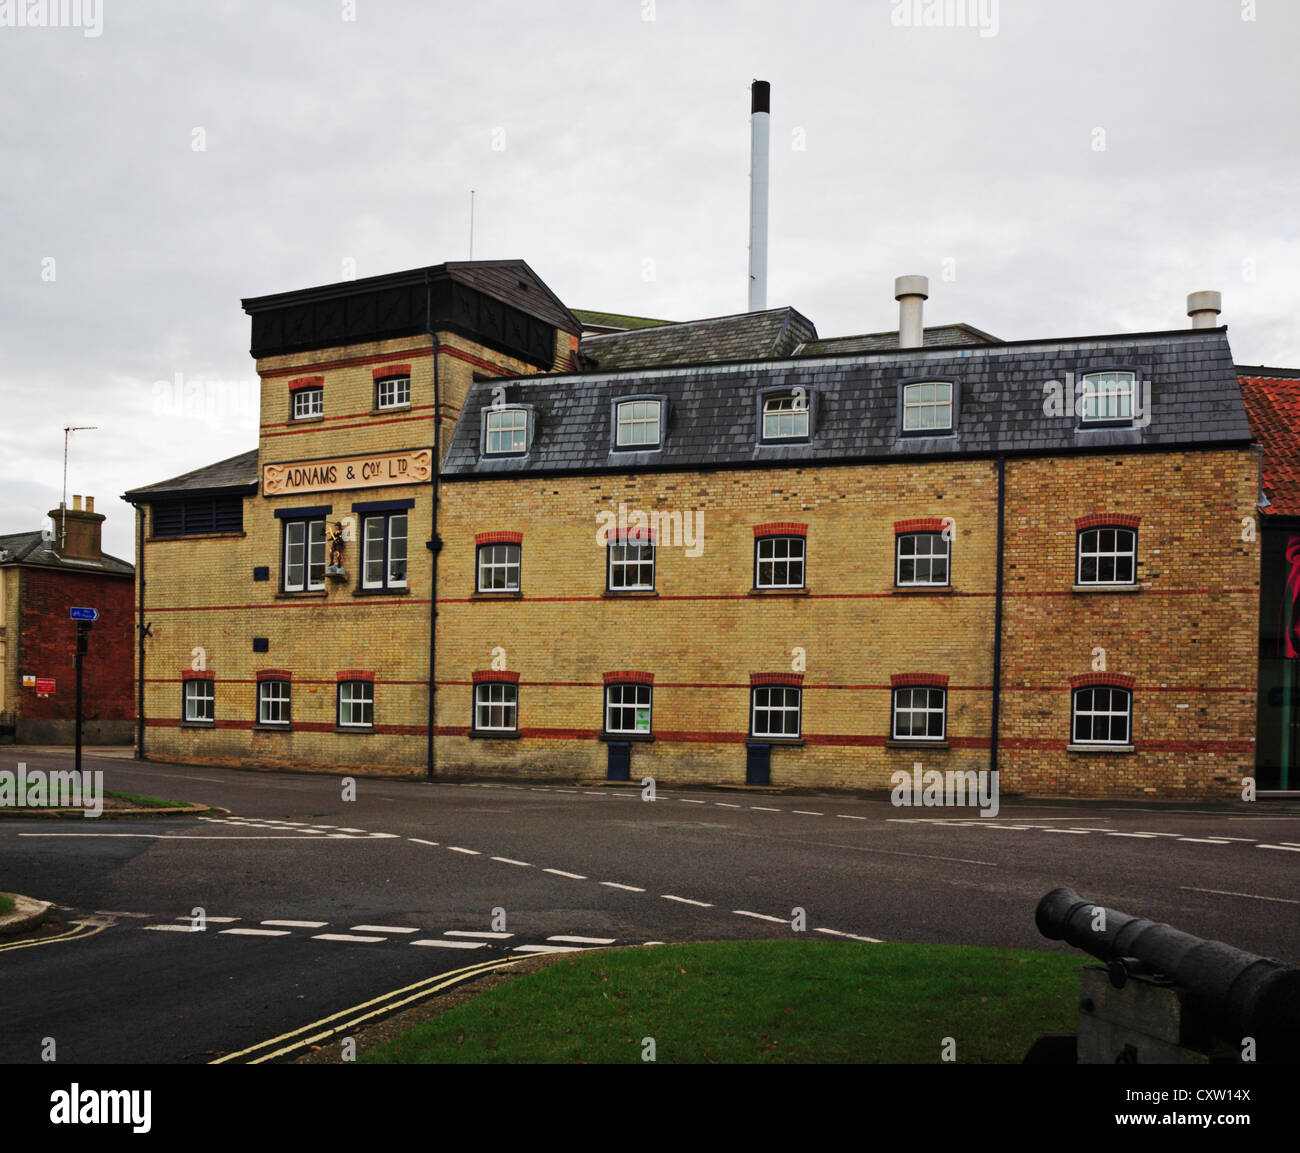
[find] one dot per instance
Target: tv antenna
(68, 430)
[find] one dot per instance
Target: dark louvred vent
(197, 515)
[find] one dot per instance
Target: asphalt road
(412, 879)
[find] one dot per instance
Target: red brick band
(1107, 520)
(793, 679)
(346, 362)
(781, 528)
(391, 370)
(919, 680)
(495, 675)
(356, 675)
(197, 675)
(499, 538)
(1109, 680)
(919, 524)
(307, 382)
(274, 675)
(629, 677)
(644, 535)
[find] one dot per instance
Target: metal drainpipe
(997, 614)
(139, 691)
(434, 543)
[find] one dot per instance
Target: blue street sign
(79, 614)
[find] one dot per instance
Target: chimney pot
(1204, 309)
(910, 292)
(90, 504)
(76, 503)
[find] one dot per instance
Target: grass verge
(767, 1002)
(6, 904)
(147, 802)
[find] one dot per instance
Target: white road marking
(547, 949)
(167, 836)
(257, 932)
(1067, 830)
(1247, 840)
(383, 929)
(562, 873)
(763, 809)
(343, 830)
(1252, 896)
(477, 933)
(346, 937)
(807, 813)
(433, 844)
(726, 805)
(114, 913)
(509, 861)
(686, 901)
(382, 835)
(1144, 836)
(173, 928)
(850, 936)
(584, 940)
(471, 852)
(298, 924)
(450, 944)
(1202, 840)
(688, 801)
(215, 920)
(760, 916)
(1284, 848)
(616, 885)
(849, 817)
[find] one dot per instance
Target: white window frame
(207, 700)
(774, 545)
(384, 542)
(313, 541)
(781, 412)
(1114, 556)
(782, 709)
(916, 402)
(637, 421)
(617, 701)
(917, 558)
(905, 701)
(308, 402)
(620, 562)
(1111, 389)
(496, 695)
(353, 695)
(516, 428)
(510, 564)
(1076, 713)
(393, 392)
(271, 700)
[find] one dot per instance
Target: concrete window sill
(1100, 748)
(272, 728)
(932, 590)
(490, 735)
(632, 594)
(395, 592)
(891, 743)
(642, 738)
(198, 724)
(354, 728)
(320, 594)
(765, 592)
(792, 742)
(497, 595)
(1106, 588)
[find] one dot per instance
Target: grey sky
(608, 141)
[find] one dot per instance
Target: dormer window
(505, 431)
(638, 424)
(1108, 398)
(785, 416)
(927, 407)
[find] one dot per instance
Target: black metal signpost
(84, 617)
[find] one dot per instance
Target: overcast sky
(1056, 169)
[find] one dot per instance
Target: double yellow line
(80, 930)
(377, 1006)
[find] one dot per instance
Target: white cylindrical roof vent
(759, 142)
(1204, 309)
(911, 292)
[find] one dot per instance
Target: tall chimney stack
(910, 292)
(1204, 309)
(760, 98)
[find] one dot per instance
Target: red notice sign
(45, 684)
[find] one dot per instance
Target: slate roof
(744, 336)
(712, 414)
(941, 336)
(1272, 398)
(29, 548)
(237, 472)
(616, 320)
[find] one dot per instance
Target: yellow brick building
(709, 552)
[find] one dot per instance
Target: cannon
(1168, 996)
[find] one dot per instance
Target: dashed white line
(1067, 830)
(760, 916)
(584, 940)
(616, 885)
(1143, 836)
(346, 937)
(478, 933)
(173, 928)
(1202, 840)
(470, 852)
(383, 929)
(547, 949)
(562, 873)
(1283, 848)
(849, 817)
(431, 844)
(688, 801)
(214, 920)
(763, 809)
(298, 924)
(687, 901)
(726, 805)
(511, 861)
(1252, 896)
(807, 813)
(256, 932)
(432, 943)
(850, 936)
